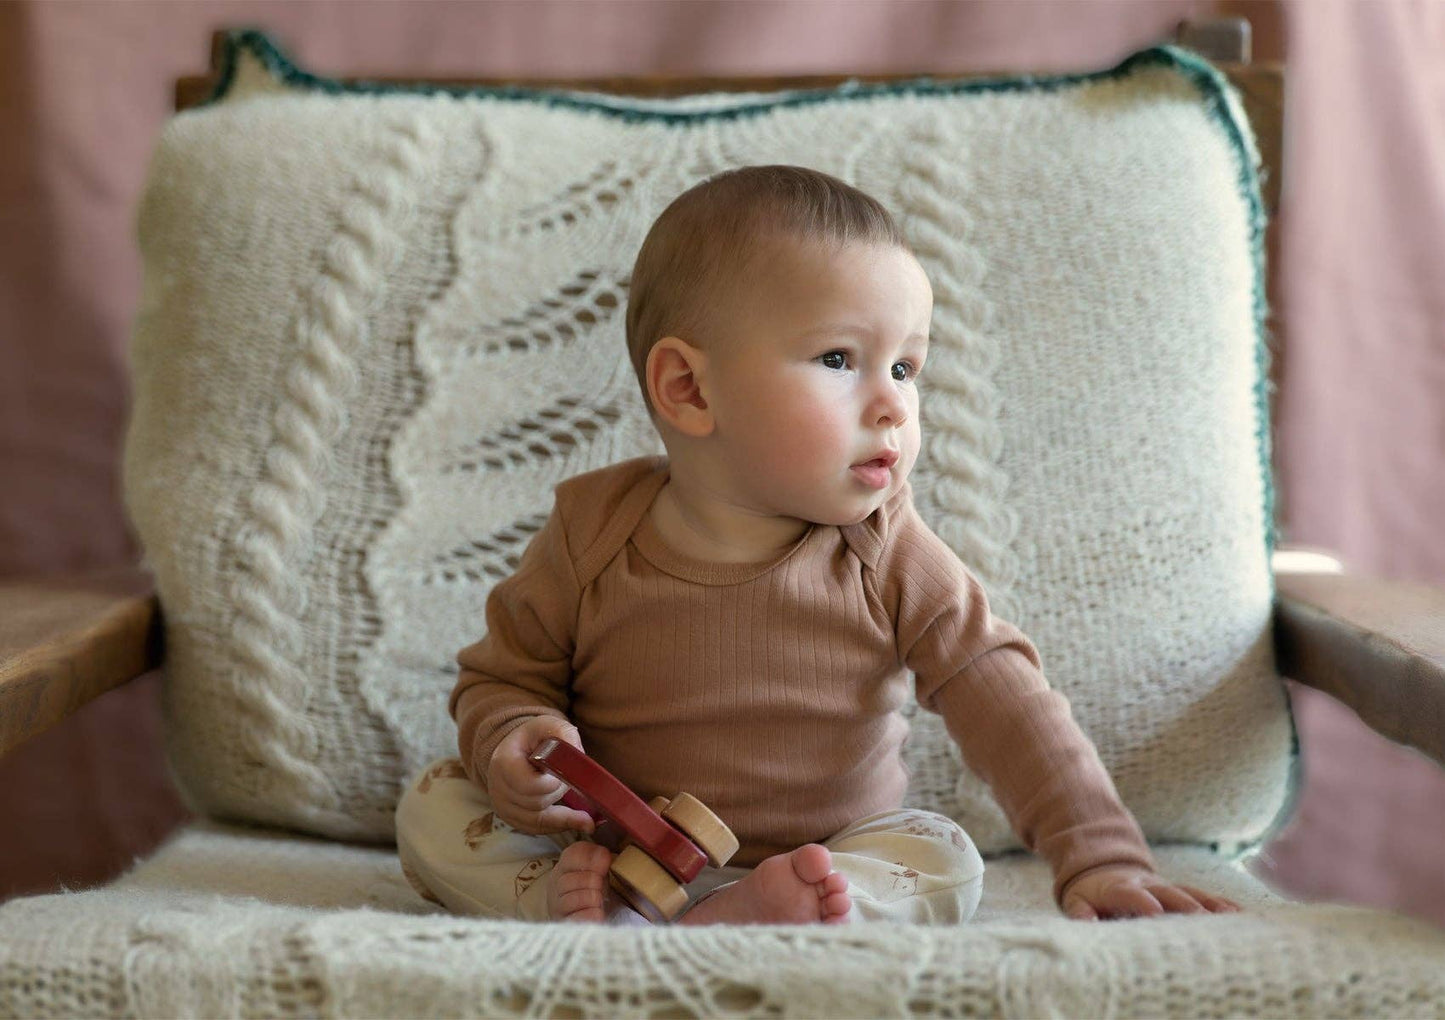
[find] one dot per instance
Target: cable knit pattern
(240, 643)
(274, 529)
(965, 502)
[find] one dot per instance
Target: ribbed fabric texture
(771, 690)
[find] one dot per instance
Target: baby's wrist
(1096, 868)
(492, 751)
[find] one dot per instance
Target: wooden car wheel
(704, 828)
(647, 885)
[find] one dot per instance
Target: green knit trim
(1213, 87)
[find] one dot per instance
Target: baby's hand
(525, 797)
(1131, 891)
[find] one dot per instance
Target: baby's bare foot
(793, 888)
(577, 886)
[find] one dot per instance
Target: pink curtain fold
(1356, 268)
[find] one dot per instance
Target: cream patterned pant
(904, 865)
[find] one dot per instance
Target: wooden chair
(1378, 646)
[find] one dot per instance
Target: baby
(738, 619)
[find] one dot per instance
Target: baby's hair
(703, 244)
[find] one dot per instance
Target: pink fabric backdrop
(86, 87)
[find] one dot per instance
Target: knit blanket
(234, 922)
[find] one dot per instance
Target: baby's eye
(842, 359)
(908, 371)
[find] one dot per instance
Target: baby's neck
(690, 526)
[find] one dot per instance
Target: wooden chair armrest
(67, 639)
(1376, 645)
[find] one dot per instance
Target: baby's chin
(842, 518)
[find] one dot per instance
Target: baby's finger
(1080, 910)
(533, 734)
(1214, 904)
(536, 803)
(559, 818)
(1131, 901)
(572, 735)
(527, 815)
(1176, 900)
(515, 817)
(527, 780)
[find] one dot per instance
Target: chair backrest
(1225, 42)
(381, 322)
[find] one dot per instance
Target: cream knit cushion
(379, 326)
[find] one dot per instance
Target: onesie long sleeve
(1013, 730)
(771, 690)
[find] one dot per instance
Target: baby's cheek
(910, 443)
(785, 456)
(908, 450)
(804, 436)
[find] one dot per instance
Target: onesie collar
(650, 543)
(868, 537)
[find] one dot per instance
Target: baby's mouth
(885, 460)
(875, 473)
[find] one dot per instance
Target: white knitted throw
(224, 922)
(377, 329)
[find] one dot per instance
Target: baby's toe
(579, 895)
(583, 904)
(836, 907)
(812, 863)
(570, 880)
(589, 856)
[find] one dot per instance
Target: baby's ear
(674, 383)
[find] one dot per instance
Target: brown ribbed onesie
(770, 691)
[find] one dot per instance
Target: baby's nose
(891, 411)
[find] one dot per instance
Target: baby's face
(820, 378)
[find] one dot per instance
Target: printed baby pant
(904, 865)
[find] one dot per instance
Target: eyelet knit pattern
(333, 929)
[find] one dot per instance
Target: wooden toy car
(667, 842)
